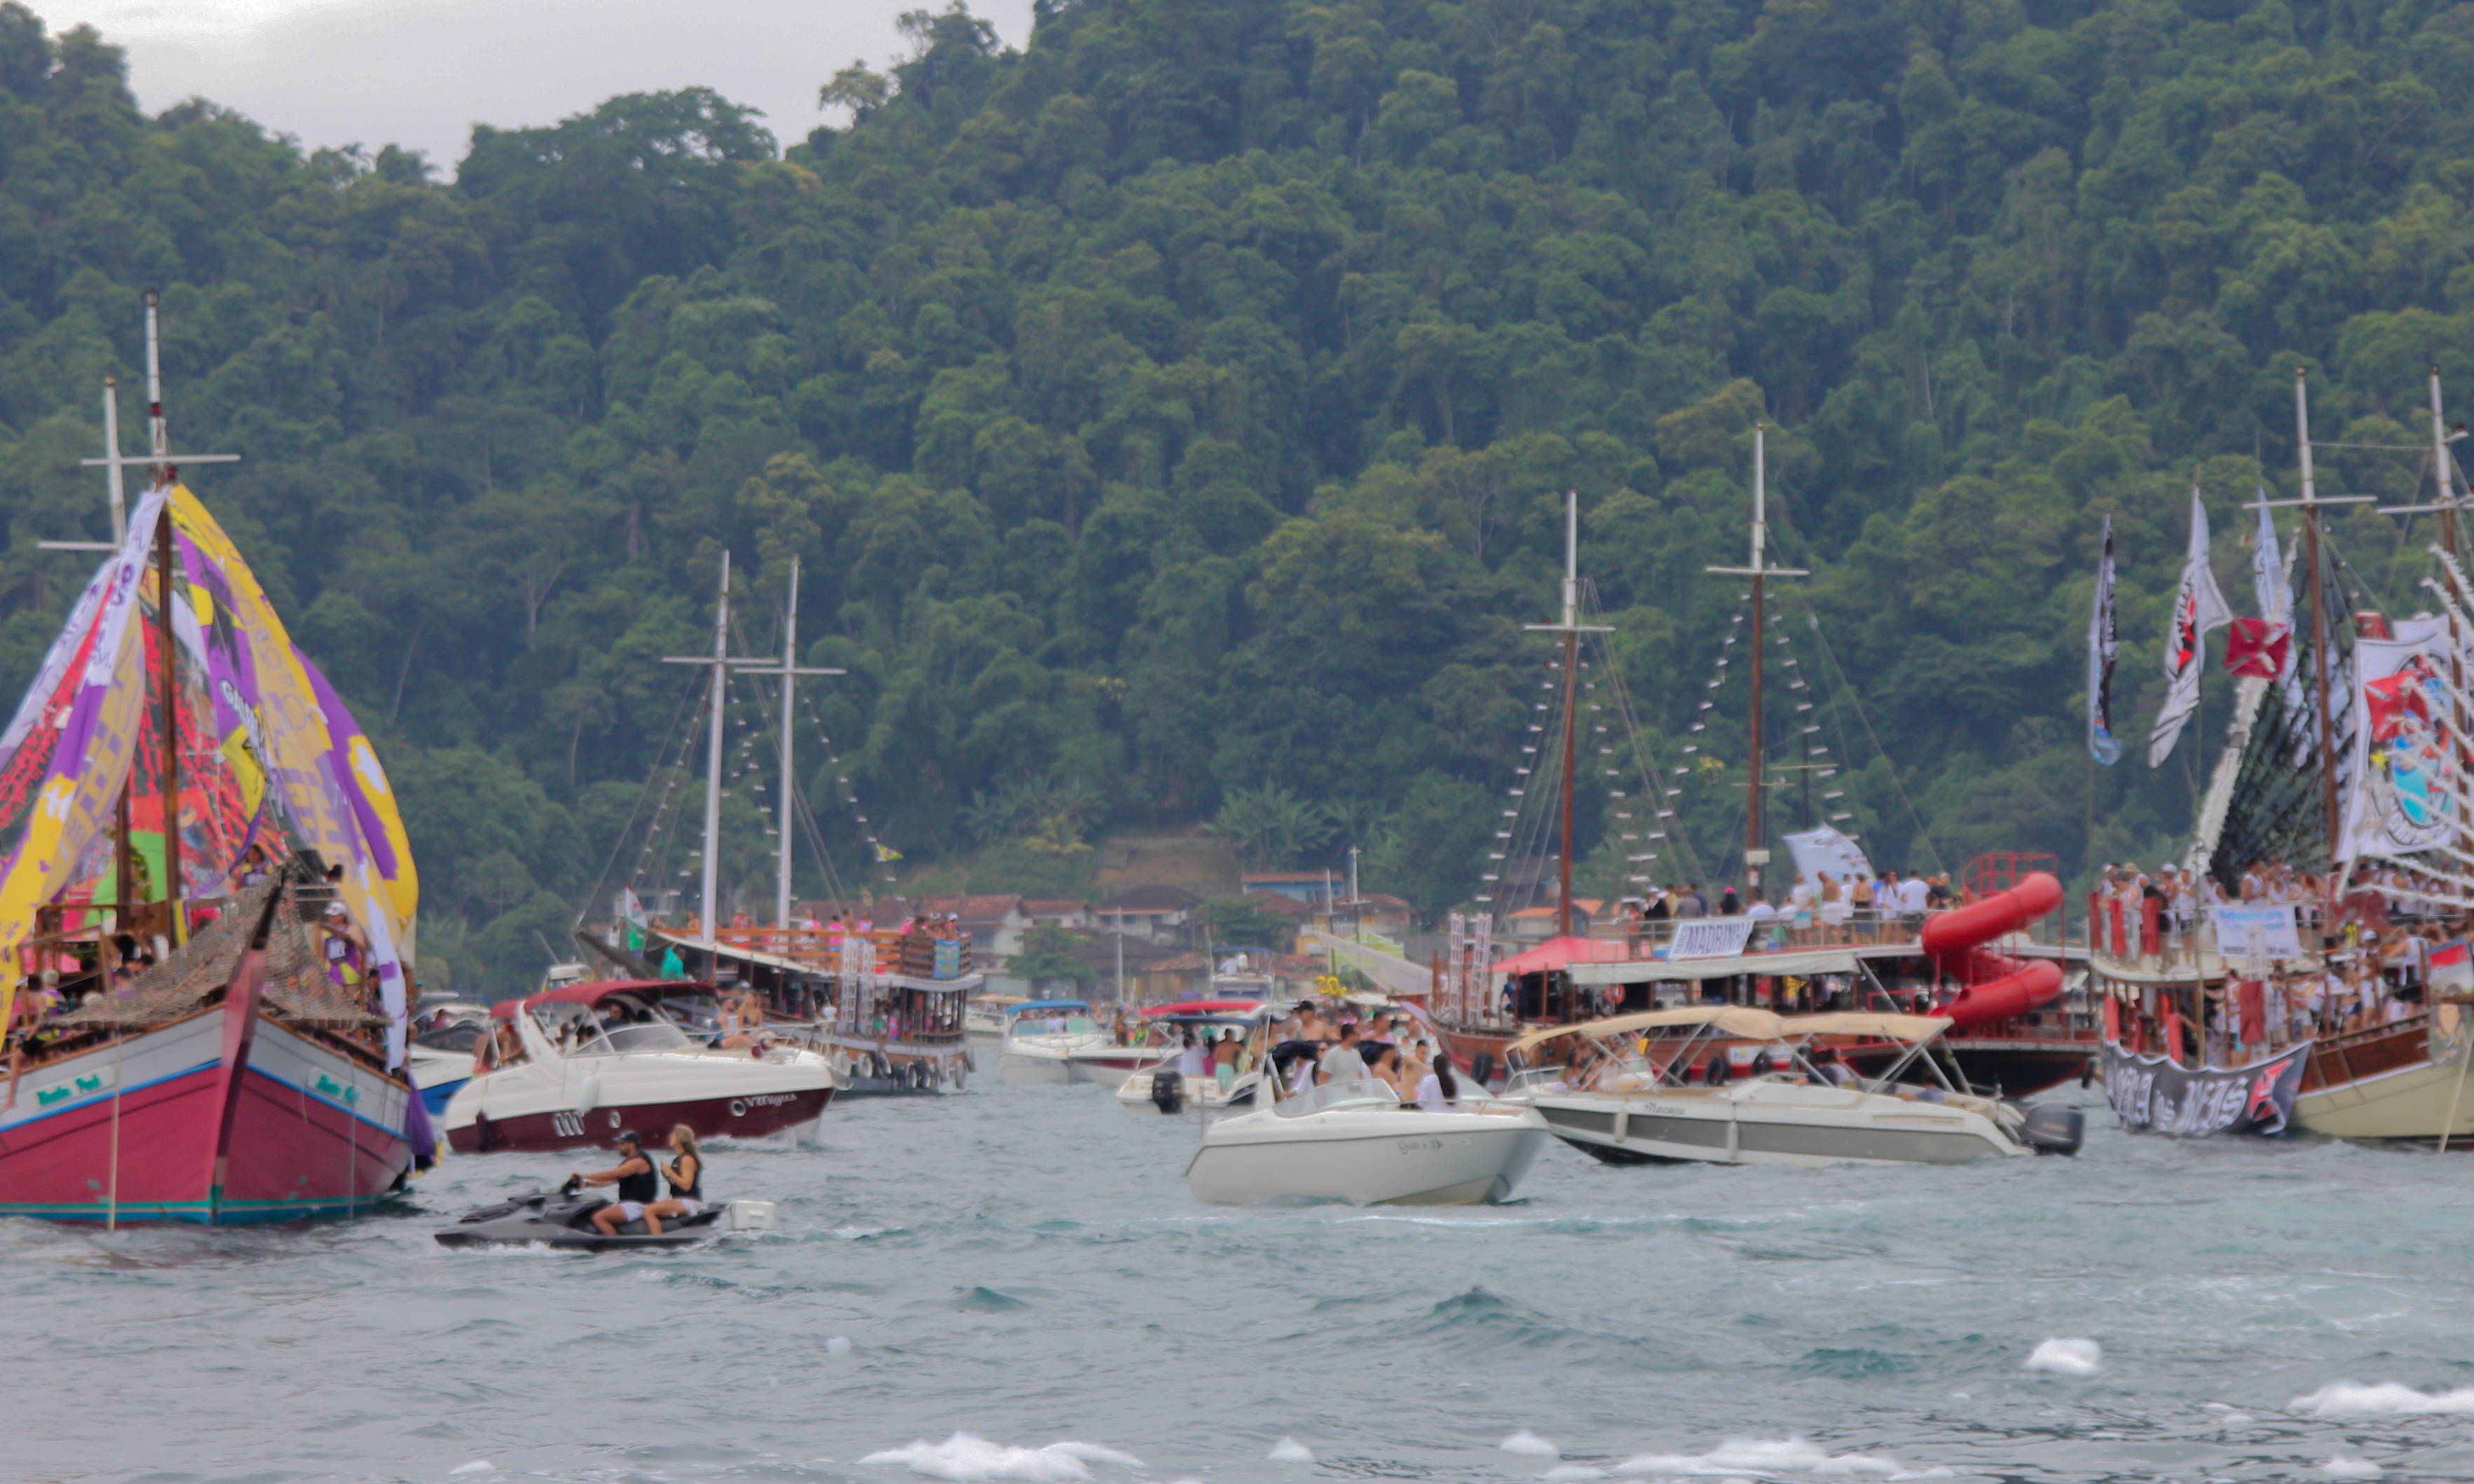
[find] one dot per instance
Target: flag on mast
(2262, 647)
(2198, 608)
(2103, 645)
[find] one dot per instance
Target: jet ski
(564, 1218)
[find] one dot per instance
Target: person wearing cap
(341, 945)
(634, 1176)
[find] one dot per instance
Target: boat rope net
(296, 986)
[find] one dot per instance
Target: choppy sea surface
(1014, 1284)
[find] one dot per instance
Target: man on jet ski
(634, 1179)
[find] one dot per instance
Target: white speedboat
(1041, 1037)
(598, 1057)
(1357, 1142)
(1804, 1108)
(984, 1021)
(1160, 1083)
(440, 1058)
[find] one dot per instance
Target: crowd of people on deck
(1818, 908)
(2368, 954)
(1321, 1047)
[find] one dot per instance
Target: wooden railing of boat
(911, 955)
(2372, 1051)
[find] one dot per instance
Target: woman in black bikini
(686, 1174)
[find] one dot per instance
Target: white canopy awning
(1396, 974)
(1802, 963)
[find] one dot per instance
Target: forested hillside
(1173, 416)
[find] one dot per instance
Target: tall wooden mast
(1756, 855)
(1571, 629)
(2323, 632)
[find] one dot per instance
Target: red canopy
(1559, 952)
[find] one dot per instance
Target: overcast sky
(421, 73)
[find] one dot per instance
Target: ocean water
(1014, 1284)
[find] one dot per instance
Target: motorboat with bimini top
(1179, 1072)
(1041, 1037)
(1805, 1107)
(563, 1218)
(1356, 1141)
(568, 1066)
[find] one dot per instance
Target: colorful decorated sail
(268, 755)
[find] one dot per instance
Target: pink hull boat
(158, 1129)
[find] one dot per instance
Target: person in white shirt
(1914, 894)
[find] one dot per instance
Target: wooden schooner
(206, 900)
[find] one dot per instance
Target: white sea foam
(1289, 1451)
(476, 1465)
(966, 1458)
(2388, 1399)
(2351, 1468)
(1571, 1474)
(838, 1345)
(1770, 1457)
(1530, 1444)
(2068, 1357)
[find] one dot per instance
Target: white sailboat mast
(789, 690)
(712, 904)
(788, 796)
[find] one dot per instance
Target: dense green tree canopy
(1178, 410)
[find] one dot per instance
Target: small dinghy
(564, 1218)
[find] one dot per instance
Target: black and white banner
(1712, 938)
(2153, 1095)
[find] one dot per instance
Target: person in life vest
(634, 1179)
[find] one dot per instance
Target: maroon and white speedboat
(601, 1057)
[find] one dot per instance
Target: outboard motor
(1482, 1068)
(2054, 1127)
(1168, 1091)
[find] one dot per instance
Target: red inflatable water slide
(1996, 986)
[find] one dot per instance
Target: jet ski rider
(686, 1174)
(637, 1185)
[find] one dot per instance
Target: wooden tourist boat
(206, 901)
(886, 1008)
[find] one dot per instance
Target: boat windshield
(1362, 1092)
(1074, 1025)
(460, 1036)
(1615, 1074)
(647, 1036)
